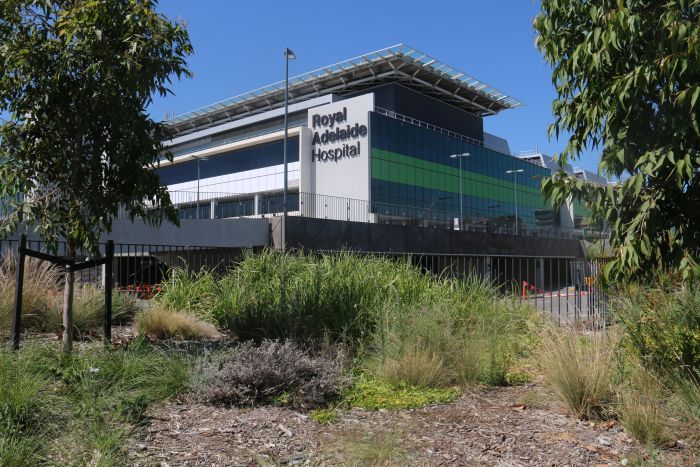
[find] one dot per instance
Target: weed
(517, 378)
(373, 394)
(19, 449)
(161, 323)
(685, 407)
(324, 416)
(643, 419)
(443, 345)
(125, 306)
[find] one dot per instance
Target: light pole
(461, 208)
(196, 215)
(288, 55)
(515, 191)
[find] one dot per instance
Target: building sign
(335, 155)
(334, 138)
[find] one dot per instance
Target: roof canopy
(399, 64)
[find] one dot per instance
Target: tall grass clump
(42, 300)
(643, 410)
(88, 311)
(192, 292)
(80, 409)
(579, 370)
(465, 335)
(297, 295)
(41, 280)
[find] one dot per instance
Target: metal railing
(435, 128)
(137, 268)
(220, 205)
(565, 288)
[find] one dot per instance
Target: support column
(539, 273)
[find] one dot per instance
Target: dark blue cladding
(257, 157)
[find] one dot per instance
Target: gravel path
(488, 427)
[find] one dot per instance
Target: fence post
(19, 285)
(109, 256)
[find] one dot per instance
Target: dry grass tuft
(579, 370)
(41, 279)
(417, 366)
(643, 410)
(160, 323)
(375, 449)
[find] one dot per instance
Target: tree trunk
(68, 303)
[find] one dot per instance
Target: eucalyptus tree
(627, 76)
(77, 142)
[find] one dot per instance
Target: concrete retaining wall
(324, 234)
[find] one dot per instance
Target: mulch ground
(486, 427)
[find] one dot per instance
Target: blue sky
(239, 44)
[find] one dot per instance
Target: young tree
(76, 143)
(627, 75)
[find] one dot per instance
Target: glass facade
(242, 160)
(413, 175)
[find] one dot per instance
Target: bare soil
(486, 427)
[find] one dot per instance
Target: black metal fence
(567, 289)
(137, 268)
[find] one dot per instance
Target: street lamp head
(289, 54)
(455, 156)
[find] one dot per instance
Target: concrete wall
(228, 233)
(325, 234)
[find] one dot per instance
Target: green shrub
(662, 327)
(273, 372)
